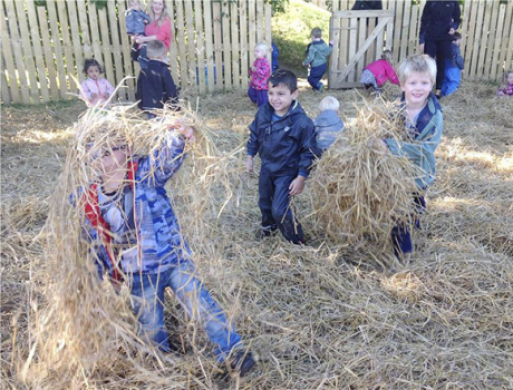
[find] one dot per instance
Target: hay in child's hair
(360, 190)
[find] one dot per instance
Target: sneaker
(321, 88)
(242, 362)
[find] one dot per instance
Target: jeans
(258, 96)
(452, 79)
(315, 76)
(147, 293)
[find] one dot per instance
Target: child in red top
(507, 88)
(260, 73)
(377, 73)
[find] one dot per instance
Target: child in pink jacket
(95, 90)
(377, 73)
(260, 73)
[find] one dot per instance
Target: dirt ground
(318, 317)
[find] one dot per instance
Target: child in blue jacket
(453, 67)
(131, 226)
(424, 125)
(284, 137)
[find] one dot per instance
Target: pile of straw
(359, 190)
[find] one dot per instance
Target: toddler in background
(317, 59)
(507, 88)
(136, 20)
(328, 124)
(260, 73)
(95, 90)
(453, 67)
(274, 57)
(376, 74)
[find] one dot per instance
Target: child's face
(416, 89)
(111, 160)
(280, 98)
(259, 52)
(457, 42)
(93, 72)
(134, 5)
(509, 79)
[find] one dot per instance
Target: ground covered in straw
(325, 316)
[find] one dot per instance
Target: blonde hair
(329, 103)
(387, 55)
(163, 16)
(419, 63)
(262, 45)
(155, 49)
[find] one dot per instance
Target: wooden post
(75, 38)
(8, 58)
(172, 52)
(479, 24)
(468, 34)
(405, 29)
(507, 48)
(70, 67)
(20, 64)
(126, 51)
(26, 48)
(47, 49)
(496, 43)
(84, 28)
(243, 23)
(268, 29)
(180, 43)
(106, 46)
(235, 46)
(209, 46)
(200, 44)
(38, 52)
(218, 44)
(226, 47)
(191, 49)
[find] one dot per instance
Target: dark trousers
(258, 96)
(401, 236)
(440, 51)
(274, 204)
(315, 76)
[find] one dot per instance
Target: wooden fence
(44, 44)
(487, 32)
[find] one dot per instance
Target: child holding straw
(424, 126)
(134, 232)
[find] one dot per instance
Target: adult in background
(363, 5)
(440, 19)
(158, 29)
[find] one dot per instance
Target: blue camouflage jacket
(159, 239)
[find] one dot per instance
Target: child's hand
(332, 43)
(249, 164)
(297, 185)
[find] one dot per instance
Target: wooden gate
(359, 38)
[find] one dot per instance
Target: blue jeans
(452, 79)
(147, 292)
(258, 96)
(315, 75)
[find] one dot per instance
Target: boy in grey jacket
(317, 59)
(328, 124)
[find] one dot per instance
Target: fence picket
(235, 46)
(244, 67)
(48, 57)
(189, 25)
(181, 44)
(200, 45)
(218, 44)
(226, 46)
(7, 56)
(128, 66)
(172, 47)
(209, 46)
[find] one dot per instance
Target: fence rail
(44, 46)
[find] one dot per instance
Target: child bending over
(131, 225)
(284, 137)
(260, 72)
(95, 90)
(376, 74)
(424, 125)
(328, 124)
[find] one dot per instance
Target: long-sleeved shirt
(101, 87)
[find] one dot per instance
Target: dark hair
(285, 77)
(91, 62)
(456, 36)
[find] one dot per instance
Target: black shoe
(242, 362)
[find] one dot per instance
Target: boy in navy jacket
(284, 137)
(155, 85)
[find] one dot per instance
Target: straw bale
(358, 189)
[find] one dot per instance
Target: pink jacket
(101, 87)
(383, 71)
(162, 32)
(260, 75)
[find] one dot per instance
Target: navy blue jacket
(155, 86)
(286, 146)
(438, 17)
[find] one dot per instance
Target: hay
(314, 318)
(359, 190)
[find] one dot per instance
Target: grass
(291, 32)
